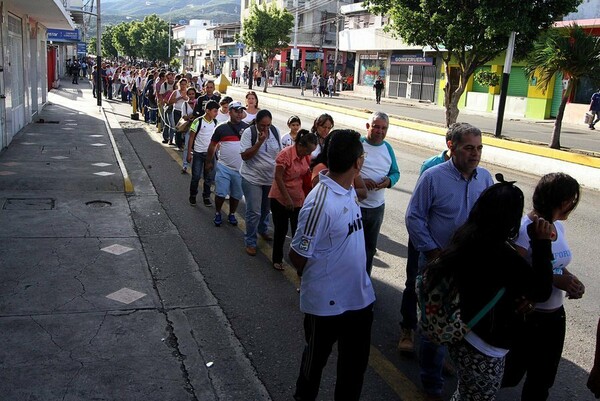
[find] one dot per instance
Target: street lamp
(170, 16)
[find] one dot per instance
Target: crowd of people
(327, 187)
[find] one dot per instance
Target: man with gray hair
(440, 203)
(379, 171)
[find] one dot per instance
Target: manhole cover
(28, 204)
(98, 203)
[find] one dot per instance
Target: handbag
(439, 310)
(183, 125)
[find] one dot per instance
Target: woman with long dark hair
(484, 265)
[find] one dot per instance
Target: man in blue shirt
(408, 308)
(441, 202)
(595, 108)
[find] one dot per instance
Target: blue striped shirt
(441, 202)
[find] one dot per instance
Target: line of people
(330, 188)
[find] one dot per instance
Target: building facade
(23, 60)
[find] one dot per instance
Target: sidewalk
(99, 297)
(535, 131)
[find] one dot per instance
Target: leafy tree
(124, 41)
(267, 30)
(572, 52)
(108, 49)
(155, 39)
(470, 33)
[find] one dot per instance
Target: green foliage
(487, 78)
(175, 63)
(572, 52)
(267, 30)
(108, 48)
(148, 39)
(471, 33)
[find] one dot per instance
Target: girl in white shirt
(251, 107)
(538, 349)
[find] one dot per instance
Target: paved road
(262, 306)
(540, 131)
(205, 300)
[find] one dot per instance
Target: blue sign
(82, 48)
(62, 35)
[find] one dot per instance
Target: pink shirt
(294, 168)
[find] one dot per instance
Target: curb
(425, 126)
(127, 183)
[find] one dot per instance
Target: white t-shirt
(330, 236)
(222, 117)
(562, 258)
(375, 167)
(287, 140)
(179, 103)
(204, 131)
(249, 117)
(260, 169)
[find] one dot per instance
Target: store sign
(295, 54)
(372, 57)
(81, 48)
(62, 35)
(314, 56)
(411, 59)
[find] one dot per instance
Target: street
(262, 306)
(213, 323)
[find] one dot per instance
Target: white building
(23, 60)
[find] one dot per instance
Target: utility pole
(250, 71)
(504, 88)
(295, 52)
(337, 40)
(99, 90)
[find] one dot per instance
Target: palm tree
(572, 52)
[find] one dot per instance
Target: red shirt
(294, 168)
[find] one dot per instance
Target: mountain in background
(217, 11)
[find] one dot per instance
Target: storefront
(412, 76)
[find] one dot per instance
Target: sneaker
(192, 200)
(218, 219)
(232, 220)
(165, 141)
(250, 250)
(407, 341)
(207, 202)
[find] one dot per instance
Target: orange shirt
(294, 168)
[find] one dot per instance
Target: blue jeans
(431, 357)
(372, 219)
(185, 150)
(168, 129)
(258, 209)
(197, 172)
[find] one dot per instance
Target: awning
(49, 13)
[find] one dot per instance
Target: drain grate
(42, 121)
(29, 204)
(98, 203)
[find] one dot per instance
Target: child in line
(294, 124)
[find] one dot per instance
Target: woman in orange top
(287, 195)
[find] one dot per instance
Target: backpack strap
(254, 134)
(486, 308)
